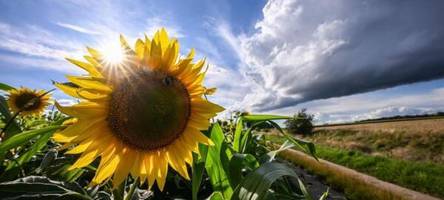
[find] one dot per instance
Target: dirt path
(316, 185)
(367, 187)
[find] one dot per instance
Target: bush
(300, 123)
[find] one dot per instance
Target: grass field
(383, 120)
(413, 140)
(409, 153)
(424, 177)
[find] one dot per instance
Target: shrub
(300, 123)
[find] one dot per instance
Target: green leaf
(257, 183)
(247, 136)
(6, 87)
(325, 195)
(272, 154)
(216, 196)
(36, 147)
(213, 165)
(24, 137)
(304, 190)
(132, 189)
(255, 118)
(73, 175)
(119, 192)
(238, 163)
(198, 170)
(307, 147)
(39, 187)
(13, 127)
(238, 134)
(50, 156)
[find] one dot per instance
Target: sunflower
(28, 102)
(140, 115)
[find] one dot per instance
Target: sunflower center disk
(27, 101)
(149, 109)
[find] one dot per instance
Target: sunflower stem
(132, 189)
(9, 123)
(119, 192)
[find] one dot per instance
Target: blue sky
(342, 60)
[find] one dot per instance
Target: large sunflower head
(27, 101)
(140, 115)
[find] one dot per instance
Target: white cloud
(41, 49)
(78, 28)
(41, 43)
(307, 50)
(371, 105)
(66, 102)
(41, 63)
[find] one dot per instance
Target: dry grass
(411, 126)
(415, 140)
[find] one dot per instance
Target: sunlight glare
(113, 53)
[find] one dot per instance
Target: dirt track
(349, 179)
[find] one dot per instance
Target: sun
(142, 117)
(112, 53)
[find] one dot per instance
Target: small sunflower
(27, 101)
(139, 116)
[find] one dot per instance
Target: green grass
(423, 177)
(415, 146)
(420, 176)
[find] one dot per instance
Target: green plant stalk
(132, 189)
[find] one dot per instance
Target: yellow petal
(82, 93)
(198, 136)
(85, 159)
(135, 169)
(162, 169)
(81, 147)
(76, 130)
(107, 167)
(140, 48)
(162, 38)
(95, 54)
(155, 55)
(210, 91)
(93, 62)
(90, 83)
(84, 110)
(87, 67)
(199, 124)
(149, 164)
(176, 160)
(124, 167)
(171, 55)
(201, 105)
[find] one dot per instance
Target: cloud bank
(307, 50)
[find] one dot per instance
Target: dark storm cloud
(306, 50)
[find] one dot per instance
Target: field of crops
(434, 125)
(414, 140)
(407, 153)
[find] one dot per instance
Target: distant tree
(300, 123)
